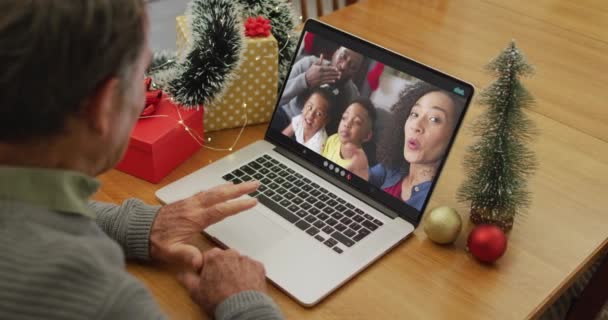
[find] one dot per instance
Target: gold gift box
(252, 95)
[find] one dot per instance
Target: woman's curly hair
(390, 146)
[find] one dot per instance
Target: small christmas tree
(499, 163)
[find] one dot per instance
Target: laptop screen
(374, 120)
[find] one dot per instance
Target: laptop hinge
(343, 186)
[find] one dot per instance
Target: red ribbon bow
(153, 97)
(257, 27)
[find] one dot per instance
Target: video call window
(385, 126)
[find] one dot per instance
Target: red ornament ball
(487, 243)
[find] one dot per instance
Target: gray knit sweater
(292, 100)
(66, 265)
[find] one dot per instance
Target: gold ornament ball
(442, 225)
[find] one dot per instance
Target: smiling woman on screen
(425, 116)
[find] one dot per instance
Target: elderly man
(310, 72)
(70, 93)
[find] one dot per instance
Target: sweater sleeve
(129, 224)
(129, 299)
(296, 84)
(351, 91)
(248, 305)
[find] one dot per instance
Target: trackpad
(249, 232)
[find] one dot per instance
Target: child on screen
(356, 127)
(309, 126)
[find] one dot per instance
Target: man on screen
(312, 72)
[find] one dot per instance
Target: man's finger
(226, 209)
(190, 281)
(225, 192)
(330, 74)
(320, 61)
(329, 70)
(232, 253)
(329, 79)
(213, 251)
(189, 254)
(204, 192)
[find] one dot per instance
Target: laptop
(319, 222)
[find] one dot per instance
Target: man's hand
(319, 74)
(289, 131)
(224, 274)
(359, 164)
(178, 222)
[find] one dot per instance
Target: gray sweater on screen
(292, 100)
(64, 258)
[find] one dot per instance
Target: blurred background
(163, 12)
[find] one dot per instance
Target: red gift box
(160, 143)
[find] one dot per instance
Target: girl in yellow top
(356, 127)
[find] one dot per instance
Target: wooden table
(566, 227)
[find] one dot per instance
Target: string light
(235, 140)
(193, 133)
(270, 56)
(196, 136)
(246, 120)
(169, 61)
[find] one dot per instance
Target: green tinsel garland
(207, 68)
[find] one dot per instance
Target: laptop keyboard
(313, 209)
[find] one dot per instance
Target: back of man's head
(55, 53)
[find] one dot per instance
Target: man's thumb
(320, 61)
(189, 255)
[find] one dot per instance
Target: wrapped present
(253, 92)
(184, 38)
(163, 140)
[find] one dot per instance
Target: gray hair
(55, 53)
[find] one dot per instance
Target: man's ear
(100, 106)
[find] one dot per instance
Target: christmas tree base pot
(484, 216)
